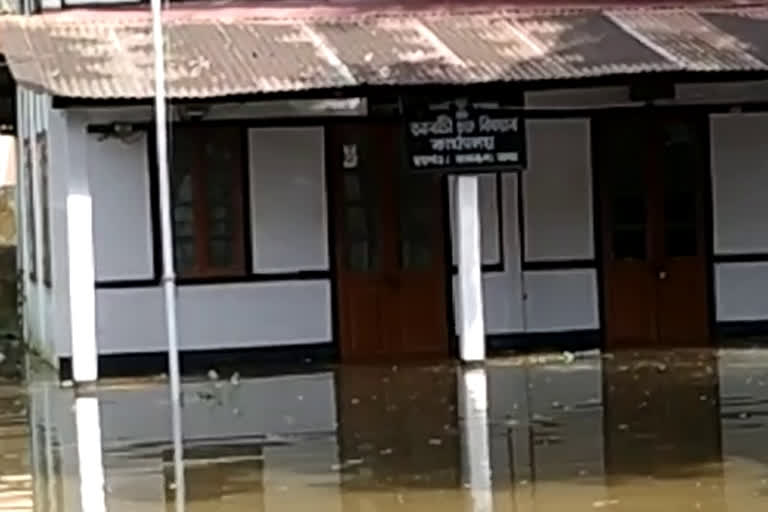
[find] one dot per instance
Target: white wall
(289, 233)
(561, 300)
(559, 223)
(557, 191)
(118, 173)
(502, 291)
(740, 291)
(739, 157)
(238, 315)
(739, 179)
(289, 218)
(41, 327)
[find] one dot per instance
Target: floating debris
(435, 441)
(605, 503)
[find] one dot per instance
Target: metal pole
(169, 277)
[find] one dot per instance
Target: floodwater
(634, 432)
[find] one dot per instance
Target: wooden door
(390, 253)
(629, 291)
(682, 165)
(652, 186)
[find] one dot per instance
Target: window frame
(193, 137)
(42, 155)
(29, 207)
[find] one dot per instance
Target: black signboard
(464, 136)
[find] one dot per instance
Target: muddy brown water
(633, 432)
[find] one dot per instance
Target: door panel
(652, 183)
(422, 266)
(357, 255)
(389, 248)
(630, 318)
(683, 293)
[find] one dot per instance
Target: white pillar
(82, 292)
(476, 451)
(470, 299)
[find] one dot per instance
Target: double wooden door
(389, 248)
(653, 187)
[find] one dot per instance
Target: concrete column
(82, 292)
(476, 451)
(470, 297)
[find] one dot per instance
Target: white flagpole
(169, 277)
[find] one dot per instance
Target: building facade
(637, 221)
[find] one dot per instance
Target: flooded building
(629, 213)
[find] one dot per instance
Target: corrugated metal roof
(110, 57)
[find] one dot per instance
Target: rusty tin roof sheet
(110, 57)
